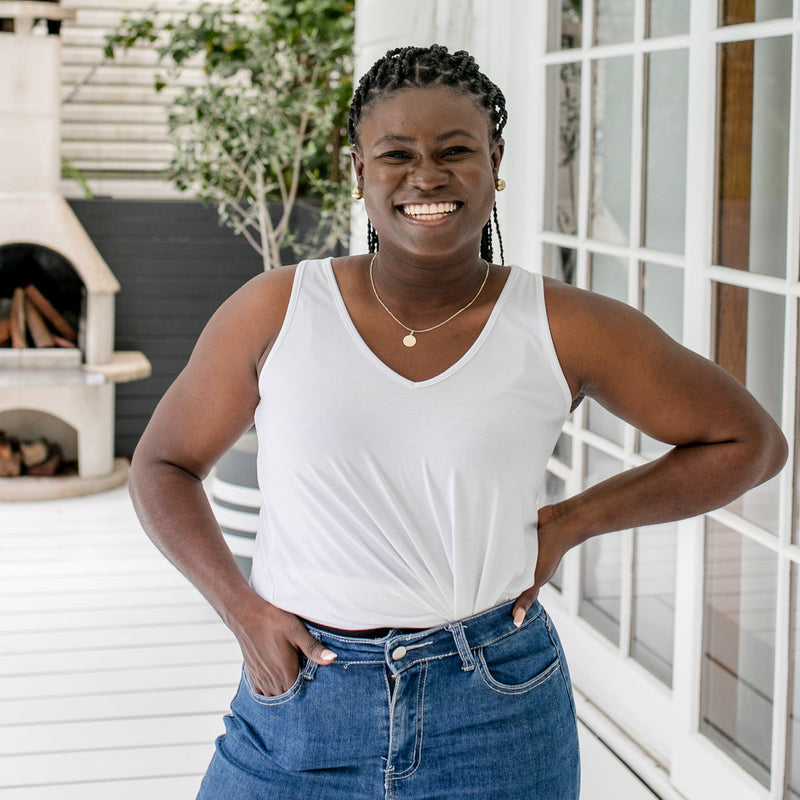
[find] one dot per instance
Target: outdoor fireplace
(57, 361)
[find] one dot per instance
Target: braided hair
(420, 67)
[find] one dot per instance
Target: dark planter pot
(236, 499)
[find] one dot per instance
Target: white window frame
(664, 723)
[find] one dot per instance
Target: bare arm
(203, 413)
(724, 441)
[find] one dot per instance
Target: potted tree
(262, 137)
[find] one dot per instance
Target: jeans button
(398, 653)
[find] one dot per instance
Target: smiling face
(427, 167)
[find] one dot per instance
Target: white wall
(505, 38)
(114, 126)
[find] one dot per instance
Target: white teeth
(429, 210)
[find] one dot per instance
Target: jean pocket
(519, 661)
(283, 697)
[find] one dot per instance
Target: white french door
(672, 152)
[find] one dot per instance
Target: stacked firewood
(34, 321)
(34, 457)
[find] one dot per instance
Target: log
(6, 445)
(19, 338)
(60, 341)
(37, 327)
(11, 467)
(10, 458)
(34, 452)
(48, 467)
(5, 330)
(50, 313)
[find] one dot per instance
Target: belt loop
(309, 670)
(467, 659)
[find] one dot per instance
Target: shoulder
(264, 297)
(575, 314)
(248, 322)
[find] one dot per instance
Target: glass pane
(794, 704)
(557, 581)
(560, 262)
(604, 423)
(665, 163)
(611, 150)
(566, 29)
(760, 505)
(739, 648)
(749, 344)
(653, 624)
(753, 167)
(564, 115)
(613, 21)
(662, 297)
(602, 560)
(758, 318)
(738, 11)
(563, 449)
(608, 275)
(650, 448)
(668, 19)
(555, 490)
(796, 482)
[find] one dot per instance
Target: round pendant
(410, 340)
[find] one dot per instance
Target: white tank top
(394, 503)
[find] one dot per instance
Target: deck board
(92, 682)
(120, 658)
(174, 787)
(114, 672)
(104, 765)
(94, 736)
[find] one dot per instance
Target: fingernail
(328, 655)
(519, 616)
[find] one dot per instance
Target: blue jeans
(472, 709)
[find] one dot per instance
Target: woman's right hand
(271, 641)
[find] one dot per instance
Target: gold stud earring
(356, 193)
(499, 184)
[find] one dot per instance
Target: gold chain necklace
(409, 340)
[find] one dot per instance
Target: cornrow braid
(487, 249)
(499, 237)
(372, 238)
(421, 67)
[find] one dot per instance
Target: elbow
(154, 472)
(146, 474)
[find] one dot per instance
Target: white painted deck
(115, 674)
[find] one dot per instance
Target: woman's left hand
(552, 547)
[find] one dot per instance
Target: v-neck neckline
(370, 354)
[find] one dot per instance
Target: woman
(406, 402)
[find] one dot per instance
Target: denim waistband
(400, 650)
(367, 633)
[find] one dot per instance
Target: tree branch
(264, 221)
(242, 224)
